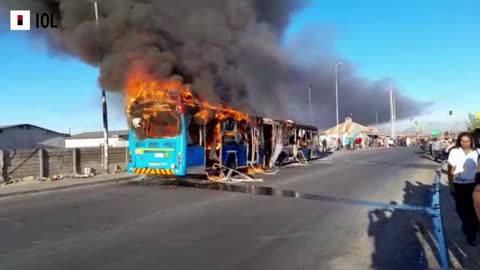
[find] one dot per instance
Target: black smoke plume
(229, 50)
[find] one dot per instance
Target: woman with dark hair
(462, 168)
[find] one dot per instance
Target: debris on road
(252, 170)
(77, 175)
(89, 171)
(28, 179)
(57, 177)
(232, 176)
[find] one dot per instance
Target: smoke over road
(229, 50)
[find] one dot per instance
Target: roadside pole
(336, 100)
(391, 115)
(310, 103)
(104, 110)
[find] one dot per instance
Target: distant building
(57, 142)
(117, 138)
(26, 136)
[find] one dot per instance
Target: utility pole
(104, 109)
(336, 94)
(310, 103)
(376, 120)
(417, 130)
(392, 114)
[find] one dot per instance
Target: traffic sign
(436, 132)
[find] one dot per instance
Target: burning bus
(173, 133)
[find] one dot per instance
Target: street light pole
(392, 119)
(336, 94)
(310, 103)
(394, 113)
(417, 130)
(104, 109)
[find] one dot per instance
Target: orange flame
(255, 170)
(142, 87)
(217, 133)
(203, 115)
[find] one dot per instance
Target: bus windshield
(162, 124)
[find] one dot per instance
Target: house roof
(34, 126)
(347, 127)
(56, 142)
(99, 134)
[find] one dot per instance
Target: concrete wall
(94, 143)
(58, 161)
(35, 162)
(24, 138)
(21, 163)
(92, 158)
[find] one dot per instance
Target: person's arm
(452, 162)
(451, 169)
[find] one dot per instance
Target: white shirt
(465, 165)
(437, 145)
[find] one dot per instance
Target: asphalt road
(125, 226)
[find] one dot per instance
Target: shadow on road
(400, 237)
(321, 155)
(403, 237)
(440, 160)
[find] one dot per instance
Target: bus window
(164, 124)
(193, 133)
(229, 125)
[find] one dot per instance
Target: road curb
(40, 190)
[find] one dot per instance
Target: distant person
(324, 145)
(450, 146)
(436, 147)
(462, 168)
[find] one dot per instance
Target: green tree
(473, 122)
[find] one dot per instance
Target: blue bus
(177, 140)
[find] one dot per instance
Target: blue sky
(431, 48)
(432, 51)
(50, 90)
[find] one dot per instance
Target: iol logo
(20, 20)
